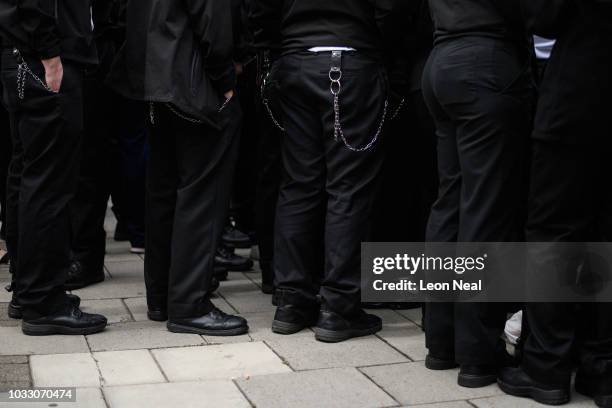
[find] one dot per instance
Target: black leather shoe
(226, 258)
(15, 312)
(215, 323)
(221, 273)
(514, 381)
(290, 319)
(267, 288)
(439, 362)
(70, 320)
(234, 238)
(477, 376)
(333, 328)
(157, 313)
(599, 389)
(79, 277)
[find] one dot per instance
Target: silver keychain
(266, 103)
(23, 70)
(335, 87)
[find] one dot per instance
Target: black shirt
(49, 28)
(302, 24)
(490, 18)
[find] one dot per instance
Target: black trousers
(5, 159)
(269, 169)
(43, 175)
(189, 183)
(410, 160)
(568, 203)
(480, 93)
(114, 151)
(327, 191)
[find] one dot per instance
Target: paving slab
(117, 288)
(128, 368)
(506, 401)
(455, 404)
(305, 353)
(206, 394)
(140, 335)
(64, 370)
(414, 315)
(85, 398)
(133, 268)
(14, 375)
(340, 387)
(14, 342)
(413, 384)
(402, 334)
(260, 327)
(246, 297)
(227, 361)
(5, 296)
(6, 321)
(114, 309)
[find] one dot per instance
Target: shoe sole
(476, 381)
(439, 365)
(336, 336)
(177, 328)
(51, 329)
(157, 318)
(279, 327)
(548, 397)
(14, 313)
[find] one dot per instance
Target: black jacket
(574, 103)
(295, 25)
(490, 18)
(178, 52)
(49, 28)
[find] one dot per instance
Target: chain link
(23, 70)
(399, 109)
(266, 103)
(181, 115)
(335, 89)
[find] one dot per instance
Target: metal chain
(335, 88)
(23, 70)
(152, 112)
(266, 103)
(180, 115)
(399, 108)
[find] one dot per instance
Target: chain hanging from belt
(335, 87)
(23, 70)
(264, 97)
(182, 116)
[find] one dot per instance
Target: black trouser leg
(47, 130)
(482, 108)
(88, 209)
(573, 209)
(190, 169)
(327, 192)
(268, 182)
(5, 159)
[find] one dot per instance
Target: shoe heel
(279, 327)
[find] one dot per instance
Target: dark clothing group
(349, 99)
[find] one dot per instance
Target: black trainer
(157, 313)
(477, 376)
(69, 320)
(226, 258)
(290, 319)
(15, 311)
(440, 361)
(80, 277)
(333, 328)
(215, 323)
(597, 388)
(514, 381)
(234, 238)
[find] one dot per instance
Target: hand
(54, 73)
(229, 95)
(239, 68)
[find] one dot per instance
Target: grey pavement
(138, 363)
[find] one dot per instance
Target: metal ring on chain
(338, 132)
